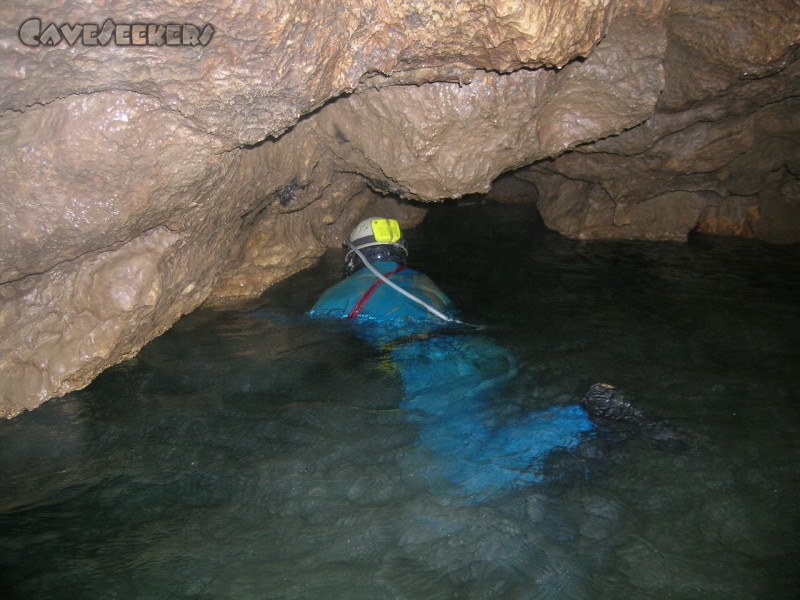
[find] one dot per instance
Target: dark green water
(252, 453)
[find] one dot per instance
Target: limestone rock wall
(143, 179)
(444, 140)
(721, 151)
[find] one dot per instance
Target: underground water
(253, 452)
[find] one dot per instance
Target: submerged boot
(608, 405)
(611, 408)
(618, 422)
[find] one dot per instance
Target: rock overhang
(143, 181)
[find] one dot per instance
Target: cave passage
(253, 452)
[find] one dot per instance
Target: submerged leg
(454, 386)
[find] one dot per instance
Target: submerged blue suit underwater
(450, 379)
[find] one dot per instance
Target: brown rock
(721, 144)
(141, 181)
(445, 140)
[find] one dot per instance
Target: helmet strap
(382, 252)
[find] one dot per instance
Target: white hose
(396, 287)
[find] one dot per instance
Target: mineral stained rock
(720, 153)
(158, 155)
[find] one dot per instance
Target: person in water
(452, 380)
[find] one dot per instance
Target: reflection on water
(253, 453)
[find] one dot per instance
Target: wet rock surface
(445, 140)
(142, 180)
(720, 152)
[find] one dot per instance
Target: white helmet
(378, 238)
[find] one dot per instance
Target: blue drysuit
(452, 383)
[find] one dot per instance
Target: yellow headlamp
(386, 231)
